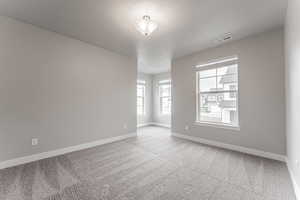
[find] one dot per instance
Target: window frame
(141, 83)
(169, 97)
(215, 64)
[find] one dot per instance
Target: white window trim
(141, 82)
(215, 62)
(162, 82)
(211, 65)
(217, 125)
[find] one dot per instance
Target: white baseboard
(154, 124)
(35, 157)
(295, 185)
(233, 147)
(143, 125)
(161, 125)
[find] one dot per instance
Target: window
(217, 92)
(141, 90)
(232, 88)
(165, 97)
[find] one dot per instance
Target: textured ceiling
(185, 26)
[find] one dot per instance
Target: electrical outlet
(297, 163)
(186, 128)
(34, 141)
(125, 126)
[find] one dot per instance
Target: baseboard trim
(295, 185)
(143, 125)
(161, 125)
(233, 147)
(154, 124)
(48, 154)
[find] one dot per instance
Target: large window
(141, 90)
(165, 97)
(217, 92)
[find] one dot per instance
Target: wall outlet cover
(34, 141)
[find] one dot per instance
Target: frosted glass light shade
(146, 26)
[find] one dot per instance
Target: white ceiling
(185, 26)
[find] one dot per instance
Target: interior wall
(292, 36)
(261, 93)
(60, 90)
(147, 118)
(157, 116)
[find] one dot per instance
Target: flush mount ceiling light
(146, 26)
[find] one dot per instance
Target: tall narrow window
(217, 92)
(165, 97)
(141, 90)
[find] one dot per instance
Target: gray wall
(60, 90)
(293, 86)
(157, 116)
(147, 118)
(261, 93)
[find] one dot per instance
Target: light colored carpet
(153, 166)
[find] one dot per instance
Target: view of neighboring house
(219, 103)
(149, 100)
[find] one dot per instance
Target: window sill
(215, 125)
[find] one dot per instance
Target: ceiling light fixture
(146, 26)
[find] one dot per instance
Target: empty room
(149, 100)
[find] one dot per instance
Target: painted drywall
(60, 90)
(147, 118)
(292, 44)
(261, 93)
(185, 26)
(159, 118)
